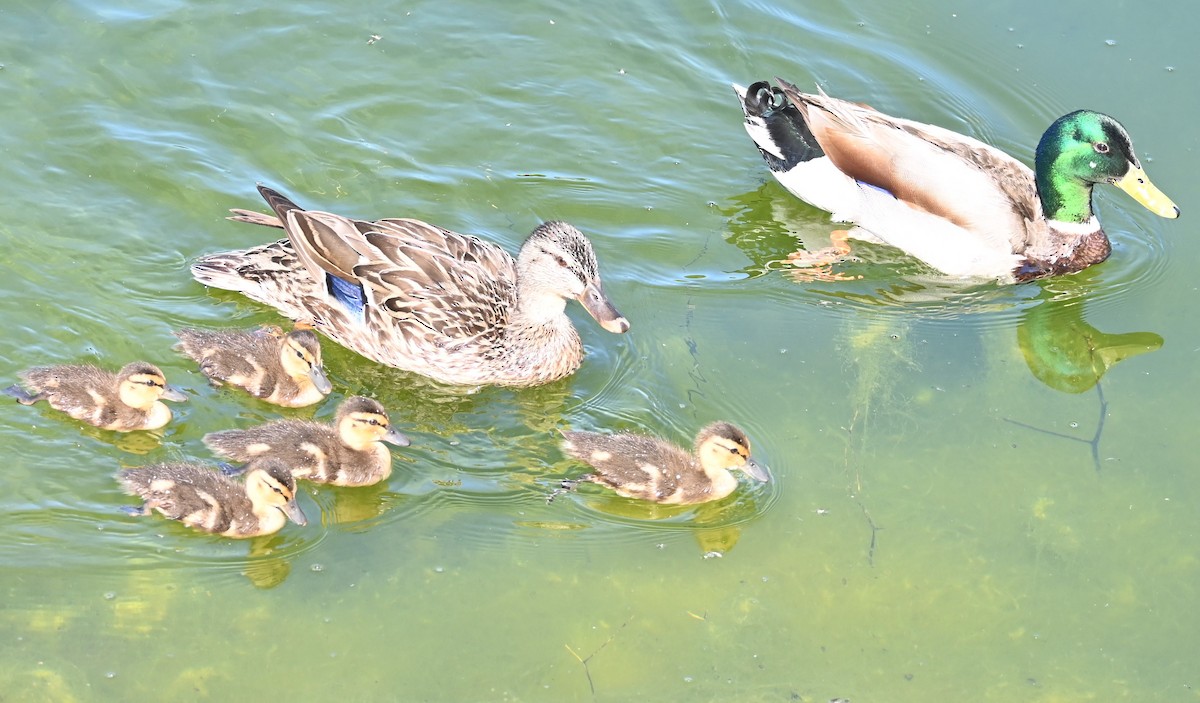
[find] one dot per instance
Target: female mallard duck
(124, 401)
(350, 452)
(208, 500)
(961, 206)
(418, 297)
(648, 468)
(284, 369)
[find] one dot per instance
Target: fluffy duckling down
(205, 499)
(350, 452)
(649, 468)
(284, 369)
(128, 400)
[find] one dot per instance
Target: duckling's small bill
(756, 471)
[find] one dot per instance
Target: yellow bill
(1138, 185)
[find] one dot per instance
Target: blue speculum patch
(348, 294)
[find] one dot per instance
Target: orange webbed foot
(817, 265)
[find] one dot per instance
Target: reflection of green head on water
(1066, 353)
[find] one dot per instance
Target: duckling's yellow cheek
(258, 448)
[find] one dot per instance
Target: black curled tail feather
(792, 141)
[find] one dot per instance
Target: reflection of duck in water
(961, 206)
(648, 468)
(1066, 353)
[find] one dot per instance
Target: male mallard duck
(418, 297)
(350, 452)
(124, 401)
(959, 205)
(648, 468)
(284, 369)
(207, 500)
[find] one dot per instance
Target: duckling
(350, 452)
(284, 369)
(124, 401)
(648, 468)
(207, 500)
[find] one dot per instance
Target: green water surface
(980, 493)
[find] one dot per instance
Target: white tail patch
(758, 132)
(818, 182)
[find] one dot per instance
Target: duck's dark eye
(733, 450)
(299, 354)
(561, 261)
(1101, 147)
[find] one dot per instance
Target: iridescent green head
(1085, 148)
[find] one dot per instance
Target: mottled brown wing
(455, 286)
(324, 242)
